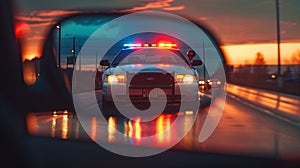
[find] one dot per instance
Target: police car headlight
(202, 82)
(185, 78)
(113, 79)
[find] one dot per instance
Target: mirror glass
(148, 63)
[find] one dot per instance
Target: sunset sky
(243, 27)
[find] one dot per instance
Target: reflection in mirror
(104, 63)
(196, 62)
(80, 52)
(65, 125)
(70, 35)
(83, 41)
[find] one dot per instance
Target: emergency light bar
(160, 45)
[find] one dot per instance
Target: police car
(139, 68)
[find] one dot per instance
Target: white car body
(142, 78)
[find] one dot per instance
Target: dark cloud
(244, 21)
(234, 21)
(90, 20)
(31, 5)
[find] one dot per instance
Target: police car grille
(152, 79)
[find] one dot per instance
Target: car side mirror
(191, 54)
(104, 63)
(196, 62)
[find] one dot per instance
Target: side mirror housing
(191, 54)
(196, 62)
(104, 63)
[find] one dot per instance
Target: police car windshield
(149, 56)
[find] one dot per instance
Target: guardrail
(283, 106)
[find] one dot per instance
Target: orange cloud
(53, 13)
(203, 18)
(288, 23)
(159, 4)
(32, 19)
(34, 26)
(181, 7)
(36, 38)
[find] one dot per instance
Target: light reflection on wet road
(242, 130)
(65, 125)
(288, 105)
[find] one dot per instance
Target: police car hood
(146, 68)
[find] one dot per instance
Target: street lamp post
(204, 63)
(278, 45)
(73, 52)
(59, 45)
(73, 57)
